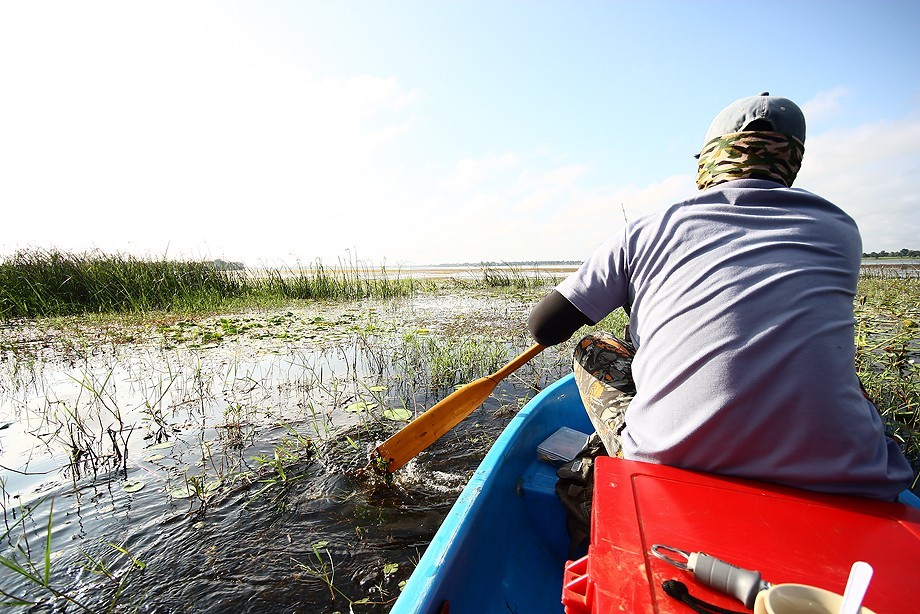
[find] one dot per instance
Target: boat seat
(543, 509)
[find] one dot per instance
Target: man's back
(742, 310)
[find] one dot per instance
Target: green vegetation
(38, 575)
(348, 281)
(511, 276)
(887, 346)
(41, 283)
(51, 283)
(46, 283)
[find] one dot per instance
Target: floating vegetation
(887, 352)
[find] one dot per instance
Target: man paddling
(741, 315)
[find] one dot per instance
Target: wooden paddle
(445, 415)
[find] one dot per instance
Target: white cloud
(545, 211)
(469, 173)
(134, 129)
(873, 173)
(825, 104)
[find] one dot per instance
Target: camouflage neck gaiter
(750, 155)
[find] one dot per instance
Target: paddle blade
(431, 425)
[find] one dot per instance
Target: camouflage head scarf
(750, 155)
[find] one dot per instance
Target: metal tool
(742, 584)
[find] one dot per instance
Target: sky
(402, 133)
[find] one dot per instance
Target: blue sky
(428, 132)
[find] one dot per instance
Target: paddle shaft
(445, 415)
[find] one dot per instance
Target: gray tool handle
(742, 584)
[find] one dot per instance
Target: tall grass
(510, 276)
(39, 283)
(50, 283)
(348, 281)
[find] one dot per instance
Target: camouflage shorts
(603, 372)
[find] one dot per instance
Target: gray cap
(783, 115)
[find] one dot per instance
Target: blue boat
(473, 563)
(503, 546)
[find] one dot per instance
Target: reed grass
(46, 283)
(348, 281)
(54, 283)
(510, 276)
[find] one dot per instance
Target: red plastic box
(788, 535)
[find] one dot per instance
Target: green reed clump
(36, 283)
(348, 281)
(451, 360)
(509, 276)
(40, 283)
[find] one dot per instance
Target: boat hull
(503, 546)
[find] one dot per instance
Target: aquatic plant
(349, 281)
(50, 282)
(41, 283)
(887, 350)
(38, 574)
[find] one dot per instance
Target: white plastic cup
(799, 599)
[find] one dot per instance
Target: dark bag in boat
(575, 488)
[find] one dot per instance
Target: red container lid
(787, 535)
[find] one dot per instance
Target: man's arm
(554, 319)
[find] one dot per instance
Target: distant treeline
(223, 265)
(904, 253)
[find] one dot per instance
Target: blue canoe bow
(473, 559)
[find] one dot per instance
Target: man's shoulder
(746, 192)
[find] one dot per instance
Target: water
(902, 269)
(217, 465)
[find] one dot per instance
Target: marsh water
(218, 464)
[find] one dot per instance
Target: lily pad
(132, 485)
(397, 414)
